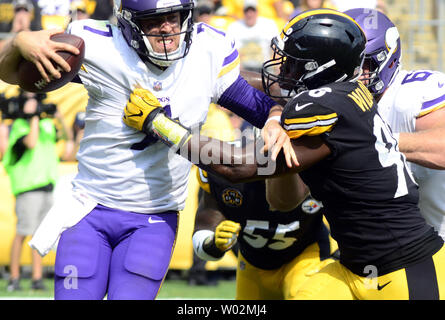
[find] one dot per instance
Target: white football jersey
(117, 168)
(411, 95)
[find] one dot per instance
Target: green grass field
(172, 289)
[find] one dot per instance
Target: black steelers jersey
(268, 239)
(369, 196)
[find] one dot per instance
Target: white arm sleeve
(199, 237)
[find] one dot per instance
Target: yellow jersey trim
(229, 67)
(428, 111)
(203, 180)
(315, 131)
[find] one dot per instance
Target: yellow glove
(226, 234)
(142, 112)
(141, 109)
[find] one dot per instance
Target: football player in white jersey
(118, 227)
(412, 102)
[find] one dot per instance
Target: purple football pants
(121, 254)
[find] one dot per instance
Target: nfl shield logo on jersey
(157, 86)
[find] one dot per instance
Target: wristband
(201, 240)
(277, 118)
(170, 132)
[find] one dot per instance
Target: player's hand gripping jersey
(345, 116)
(268, 239)
(411, 95)
(141, 175)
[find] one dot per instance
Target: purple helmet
(383, 49)
(129, 13)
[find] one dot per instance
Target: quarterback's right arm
(36, 47)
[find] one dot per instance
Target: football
(29, 78)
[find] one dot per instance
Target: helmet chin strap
(165, 59)
(287, 93)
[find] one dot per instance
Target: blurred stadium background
(421, 24)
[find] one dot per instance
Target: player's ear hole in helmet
(315, 48)
(130, 13)
(383, 49)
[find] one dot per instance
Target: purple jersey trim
(247, 102)
(108, 33)
(429, 104)
(202, 26)
(230, 58)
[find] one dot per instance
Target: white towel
(67, 211)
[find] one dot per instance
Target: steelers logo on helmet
(308, 60)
